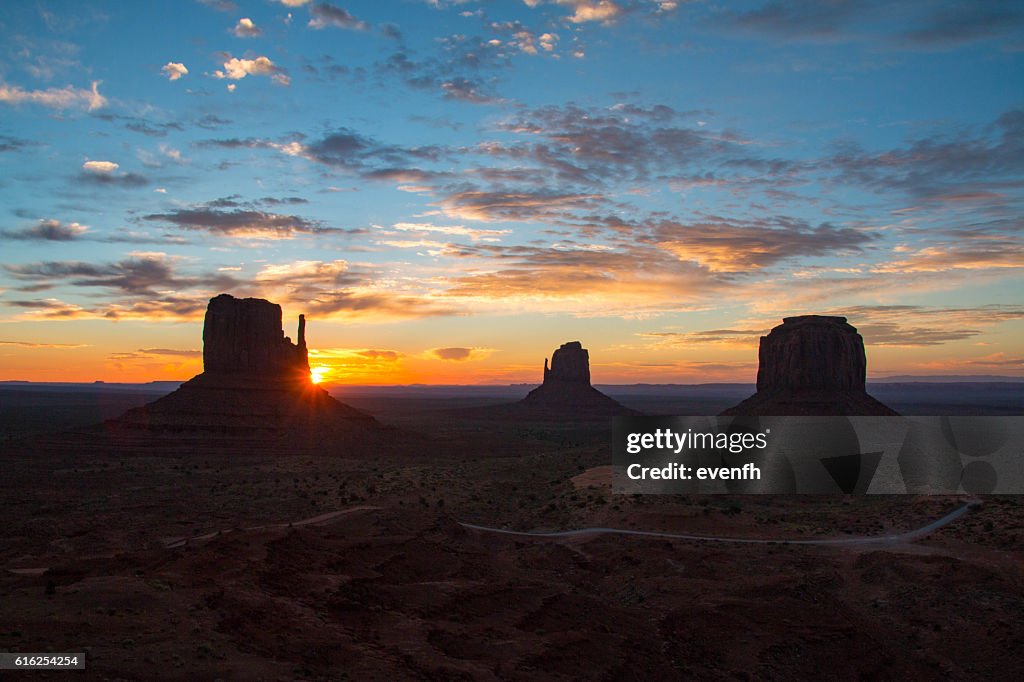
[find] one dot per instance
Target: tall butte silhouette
(255, 383)
(811, 365)
(566, 389)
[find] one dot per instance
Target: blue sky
(451, 189)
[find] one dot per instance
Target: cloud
(735, 246)
(998, 360)
(338, 289)
(353, 358)
(326, 15)
(938, 166)
(245, 28)
(250, 224)
(345, 148)
(174, 70)
(103, 173)
(237, 69)
(391, 31)
(386, 355)
(604, 11)
(915, 325)
(796, 19)
(30, 344)
(13, 144)
(220, 5)
(294, 3)
(52, 309)
(953, 24)
(147, 353)
(459, 70)
(173, 307)
(583, 11)
(964, 254)
(918, 25)
(212, 122)
(48, 230)
(142, 274)
(528, 206)
(351, 304)
(452, 230)
(454, 354)
(153, 129)
(283, 201)
(467, 90)
(730, 337)
(589, 145)
(100, 166)
(55, 98)
(582, 279)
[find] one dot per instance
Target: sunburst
(318, 374)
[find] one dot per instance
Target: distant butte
(811, 365)
(255, 383)
(566, 388)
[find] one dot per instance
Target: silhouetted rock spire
(811, 365)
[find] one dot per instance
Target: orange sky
(499, 350)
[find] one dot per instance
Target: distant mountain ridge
(642, 386)
(946, 379)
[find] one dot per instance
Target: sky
(450, 189)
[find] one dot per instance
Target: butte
(811, 365)
(255, 386)
(566, 389)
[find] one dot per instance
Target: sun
(318, 374)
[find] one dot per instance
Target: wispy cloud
(31, 344)
(240, 223)
(326, 15)
(938, 166)
(141, 274)
(68, 97)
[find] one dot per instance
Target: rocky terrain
(173, 563)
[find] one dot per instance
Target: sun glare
(318, 374)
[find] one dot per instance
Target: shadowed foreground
(392, 587)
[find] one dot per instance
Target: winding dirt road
(893, 538)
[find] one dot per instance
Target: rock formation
(566, 390)
(244, 336)
(255, 384)
(569, 362)
(811, 365)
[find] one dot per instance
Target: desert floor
(346, 560)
